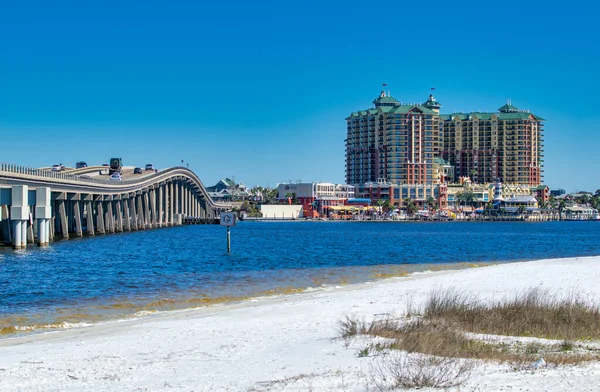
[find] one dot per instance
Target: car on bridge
(116, 176)
(80, 165)
(137, 170)
(149, 166)
(57, 168)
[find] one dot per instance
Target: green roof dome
(385, 100)
(508, 108)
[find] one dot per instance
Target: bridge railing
(28, 173)
(47, 173)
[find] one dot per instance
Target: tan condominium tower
(393, 141)
(506, 145)
(402, 143)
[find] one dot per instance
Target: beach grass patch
(535, 313)
(457, 326)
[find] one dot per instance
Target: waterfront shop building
(400, 143)
(395, 194)
(316, 197)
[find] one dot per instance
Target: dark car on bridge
(137, 170)
(80, 165)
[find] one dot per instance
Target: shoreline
(275, 340)
(363, 274)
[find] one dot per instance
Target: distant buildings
(228, 190)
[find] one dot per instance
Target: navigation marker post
(228, 219)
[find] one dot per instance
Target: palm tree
(410, 206)
(431, 203)
(561, 207)
(473, 173)
(522, 210)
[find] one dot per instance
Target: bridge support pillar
(171, 203)
(62, 217)
(43, 214)
(176, 186)
(77, 217)
(110, 218)
(119, 214)
(140, 213)
(19, 215)
(100, 216)
(90, 218)
(133, 212)
(154, 223)
(126, 215)
(160, 206)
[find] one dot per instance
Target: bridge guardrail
(27, 173)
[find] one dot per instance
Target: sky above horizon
(260, 90)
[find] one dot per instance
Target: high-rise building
(506, 145)
(395, 142)
(403, 143)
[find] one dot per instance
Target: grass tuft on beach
(462, 329)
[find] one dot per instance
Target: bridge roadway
(39, 206)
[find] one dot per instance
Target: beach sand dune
(286, 343)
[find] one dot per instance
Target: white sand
(287, 343)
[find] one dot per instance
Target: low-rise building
(315, 197)
(228, 190)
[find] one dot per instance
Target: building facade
(315, 197)
(393, 142)
(413, 144)
(507, 145)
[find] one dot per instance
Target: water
(117, 276)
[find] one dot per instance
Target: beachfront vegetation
(462, 328)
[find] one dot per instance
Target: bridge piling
(110, 219)
(146, 203)
(43, 214)
(90, 218)
(126, 215)
(99, 216)
(171, 203)
(19, 215)
(160, 205)
(119, 216)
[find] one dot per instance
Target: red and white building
(315, 197)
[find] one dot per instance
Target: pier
(38, 206)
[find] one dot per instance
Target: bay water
(119, 276)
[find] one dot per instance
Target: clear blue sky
(260, 90)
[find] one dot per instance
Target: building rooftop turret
(385, 100)
(432, 104)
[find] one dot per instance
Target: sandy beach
(286, 343)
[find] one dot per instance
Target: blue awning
(359, 201)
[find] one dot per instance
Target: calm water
(116, 276)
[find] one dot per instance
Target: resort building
(400, 143)
(393, 142)
(507, 144)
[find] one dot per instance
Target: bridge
(40, 206)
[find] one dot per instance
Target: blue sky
(260, 90)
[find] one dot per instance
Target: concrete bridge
(39, 206)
